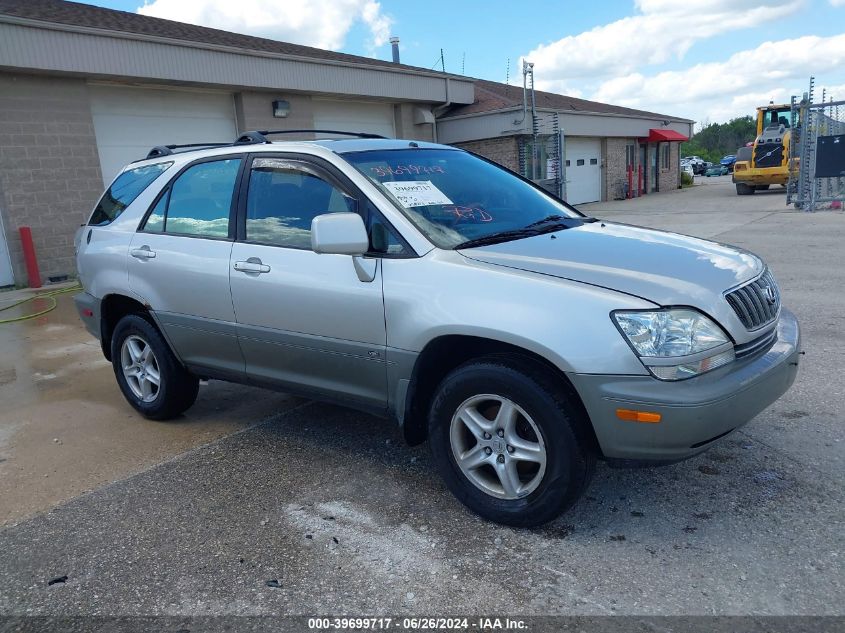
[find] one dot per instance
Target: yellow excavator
(766, 161)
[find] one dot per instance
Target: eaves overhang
(38, 45)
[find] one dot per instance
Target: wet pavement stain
(707, 469)
(55, 382)
(794, 415)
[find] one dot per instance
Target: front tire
(744, 190)
(509, 442)
(149, 375)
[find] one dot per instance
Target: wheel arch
(444, 353)
(114, 307)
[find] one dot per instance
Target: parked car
(717, 170)
(699, 166)
(687, 168)
(416, 281)
(729, 161)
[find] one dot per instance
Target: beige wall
(49, 168)
(254, 111)
(615, 167)
(502, 150)
(405, 126)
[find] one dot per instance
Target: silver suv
(426, 284)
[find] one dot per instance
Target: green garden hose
(49, 296)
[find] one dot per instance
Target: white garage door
(129, 122)
(583, 170)
(354, 116)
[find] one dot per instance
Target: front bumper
(762, 176)
(694, 412)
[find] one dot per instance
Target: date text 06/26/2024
(417, 624)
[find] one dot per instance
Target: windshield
(454, 197)
(776, 117)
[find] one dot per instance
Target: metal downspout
(442, 107)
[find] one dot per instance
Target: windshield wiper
(549, 219)
(496, 238)
(548, 224)
(564, 220)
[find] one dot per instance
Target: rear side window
(123, 191)
(198, 202)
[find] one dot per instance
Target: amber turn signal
(638, 416)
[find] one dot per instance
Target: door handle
(252, 265)
(142, 253)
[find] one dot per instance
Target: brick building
(600, 141)
(86, 90)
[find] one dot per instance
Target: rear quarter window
(123, 191)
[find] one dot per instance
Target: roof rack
(256, 137)
(166, 150)
(260, 136)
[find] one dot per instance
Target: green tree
(715, 140)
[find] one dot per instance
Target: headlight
(675, 343)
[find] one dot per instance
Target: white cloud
(837, 3)
(662, 31)
(722, 90)
(319, 23)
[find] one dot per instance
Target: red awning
(662, 136)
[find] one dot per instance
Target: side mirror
(339, 234)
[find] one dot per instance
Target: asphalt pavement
(316, 509)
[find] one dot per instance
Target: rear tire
(510, 443)
(744, 190)
(149, 375)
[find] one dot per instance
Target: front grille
(768, 155)
(758, 346)
(756, 303)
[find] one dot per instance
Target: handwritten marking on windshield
(468, 213)
(384, 170)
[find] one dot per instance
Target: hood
(665, 268)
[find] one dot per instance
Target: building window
(664, 153)
(579, 162)
(594, 161)
(630, 155)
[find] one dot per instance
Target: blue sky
(709, 61)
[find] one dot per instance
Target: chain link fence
(817, 153)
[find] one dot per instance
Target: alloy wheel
(498, 446)
(140, 368)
